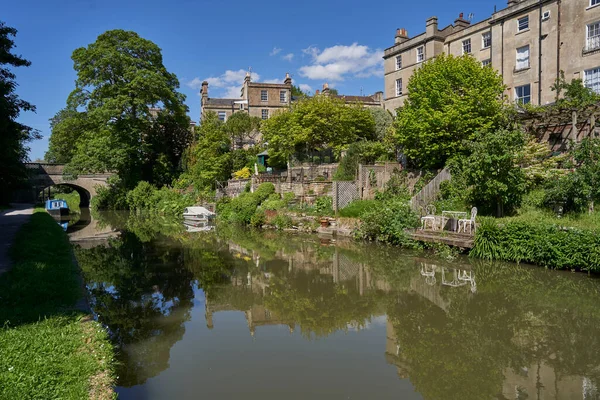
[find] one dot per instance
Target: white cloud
(288, 57)
(230, 82)
(275, 51)
(305, 88)
(336, 62)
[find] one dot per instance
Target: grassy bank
(72, 200)
(49, 349)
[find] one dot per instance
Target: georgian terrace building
(528, 43)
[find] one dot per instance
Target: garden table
(453, 216)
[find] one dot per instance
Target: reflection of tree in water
(516, 332)
(143, 293)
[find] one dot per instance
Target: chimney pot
(460, 15)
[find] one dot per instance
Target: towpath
(10, 222)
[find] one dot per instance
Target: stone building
(371, 101)
(256, 98)
(528, 43)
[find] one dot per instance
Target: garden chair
(429, 217)
(468, 222)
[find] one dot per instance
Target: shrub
(389, 222)
(258, 219)
(282, 221)
(112, 197)
(324, 205)
(243, 173)
(241, 209)
(538, 243)
(141, 197)
(357, 208)
(170, 201)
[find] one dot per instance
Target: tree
(240, 126)
(297, 92)
(209, 159)
(126, 110)
(573, 94)
(383, 122)
(450, 99)
(13, 135)
(493, 173)
(316, 124)
(67, 126)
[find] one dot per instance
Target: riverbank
(50, 347)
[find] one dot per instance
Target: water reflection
(460, 330)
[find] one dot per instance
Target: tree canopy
(14, 135)
(315, 124)
(450, 99)
(125, 113)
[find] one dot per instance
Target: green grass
(358, 207)
(48, 348)
(573, 220)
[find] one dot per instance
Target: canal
(265, 315)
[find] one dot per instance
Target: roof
(356, 99)
(264, 153)
(220, 102)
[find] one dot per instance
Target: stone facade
(528, 43)
(258, 99)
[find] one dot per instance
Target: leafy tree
(573, 94)
(315, 124)
(14, 135)
(240, 126)
(297, 92)
(383, 122)
(133, 119)
(493, 173)
(450, 99)
(67, 126)
(333, 92)
(209, 158)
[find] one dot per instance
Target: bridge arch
(42, 176)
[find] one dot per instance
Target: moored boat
(57, 207)
(197, 215)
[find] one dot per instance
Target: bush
(243, 173)
(282, 221)
(388, 223)
(141, 197)
(258, 219)
(241, 209)
(111, 197)
(357, 208)
(324, 205)
(538, 243)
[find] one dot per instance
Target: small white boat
(197, 215)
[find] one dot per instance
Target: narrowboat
(57, 207)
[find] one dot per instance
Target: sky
(316, 41)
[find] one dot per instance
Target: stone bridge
(42, 176)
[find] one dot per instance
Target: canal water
(241, 314)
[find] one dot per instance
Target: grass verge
(49, 349)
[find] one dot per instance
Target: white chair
(468, 222)
(429, 217)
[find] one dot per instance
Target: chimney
(317, 92)
(204, 91)
(401, 35)
(431, 26)
(513, 2)
(247, 79)
(325, 89)
(461, 23)
(288, 79)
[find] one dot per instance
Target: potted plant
(324, 222)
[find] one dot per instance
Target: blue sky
(339, 42)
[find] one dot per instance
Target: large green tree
(449, 100)
(13, 135)
(316, 124)
(125, 114)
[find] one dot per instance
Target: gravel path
(10, 222)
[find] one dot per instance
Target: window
(222, 115)
(523, 94)
(593, 36)
(283, 96)
(522, 58)
(592, 79)
(264, 95)
(420, 54)
(398, 62)
(265, 114)
(485, 63)
(486, 40)
(594, 2)
(242, 106)
(523, 23)
(546, 16)
(466, 46)
(399, 87)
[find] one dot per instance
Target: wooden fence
(430, 191)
